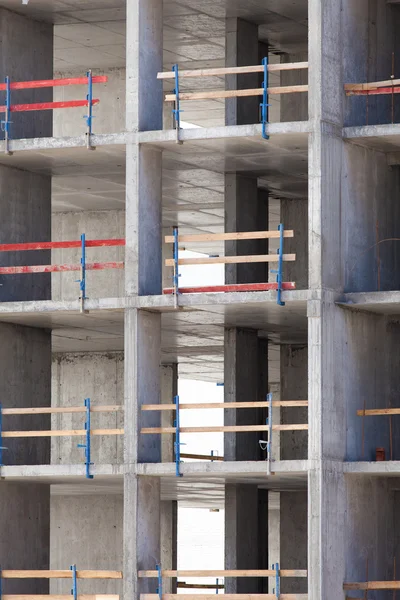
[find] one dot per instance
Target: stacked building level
(199, 245)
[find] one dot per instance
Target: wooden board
(202, 457)
(378, 411)
(226, 573)
(60, 433)
(224, 405)
(67, 409)
(60, 574)
(60, 597)
(223, 237)
(373, 585)
(349, 87)
(221, 71)
(225, 429)
(230, 260)
(226, 597)
(289, 89)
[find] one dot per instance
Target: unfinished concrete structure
(329, 171)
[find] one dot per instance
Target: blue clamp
(86, 446)
(279, 271)
(74, 590)
(277, 590)
(176, 274)
(265, 106)
(177, 110)
(220, 384)
(82, 280)
(89, 117)
(5, 124)
(159, 588)
(177, 443)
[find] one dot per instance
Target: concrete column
(294, 386)
(294, 107)
(26, 52)
(293, 536)
(169, 542)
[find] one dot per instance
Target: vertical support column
(294, 386)
(143, 272)
(293, 536)
(169, 542)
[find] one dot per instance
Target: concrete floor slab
(384, 303)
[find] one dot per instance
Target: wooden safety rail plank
(221, 71)
(197, 405)
(59, 574)
(48, 105)
(225, 573)
(292, 89)
(59, 410)
(55, 245)
(60, 433)
(221, 237)
(59, 268)
(376, 92)
(202, 457)
(200, 586)
(230, 260)
(226, 596)
(373, 585)
(46, 83)
(238, 287)
(60, 597)
(378, 411)
(354, 87)
(225, 428)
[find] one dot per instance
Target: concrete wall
(96, 225)
(109, 113)
(86, 531)
(100, 377)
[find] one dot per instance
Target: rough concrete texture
(86, 531)
(294, 386)
(293, 536)
(97, 225)
(97, 376)
(109, 114)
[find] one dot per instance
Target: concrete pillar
(294, 386)
(294, 107)
(143, 269)
(25, 356)
(169, 542)
(293, 536)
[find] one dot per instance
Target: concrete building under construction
(143, 138)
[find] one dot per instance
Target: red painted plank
(54, 245)
(59, 268)
(46, 83)
(48, 105)
(376, 92)
(241, 287)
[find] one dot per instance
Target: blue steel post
(216, 586)
(82, 282)
(159, 575)
(6, 122)
(89, 116)
(279, 277)
(176, 266)
(277, 580)
(87, 445)
(177, 444)
(269, 423)
(177, 110)
(265, 104)
(74, 590)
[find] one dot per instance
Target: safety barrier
(72, 573)
(265, 91)
(280, 258)
(87, 432)
(84, 266)
(269, 427)
(275, 572)
(9, 108)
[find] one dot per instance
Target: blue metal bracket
(265, 105)
(89, 117)
(177, 444)
(177, 110)
(159, 588)
(74, 590)
(82, 281)
(277, 590)
(5, 124)
(279, 271)
(176, 266)
(86, 446)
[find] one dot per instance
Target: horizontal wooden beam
(237, 287)
(374, 412)
(224, 405)
(351, 87)
(225, 573)
(203, 457)
(200, 586)
(225, 429)
(59, 597)
(59, 268)
(60, 574)
(221, 71)
(60, 410)
(292, 89)
(226, 597)
(48, 105)
(223, 237)
(230, 260)
(60, 433)
(56, 245)
(373, 585)
(46, 83)
(376, 92)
